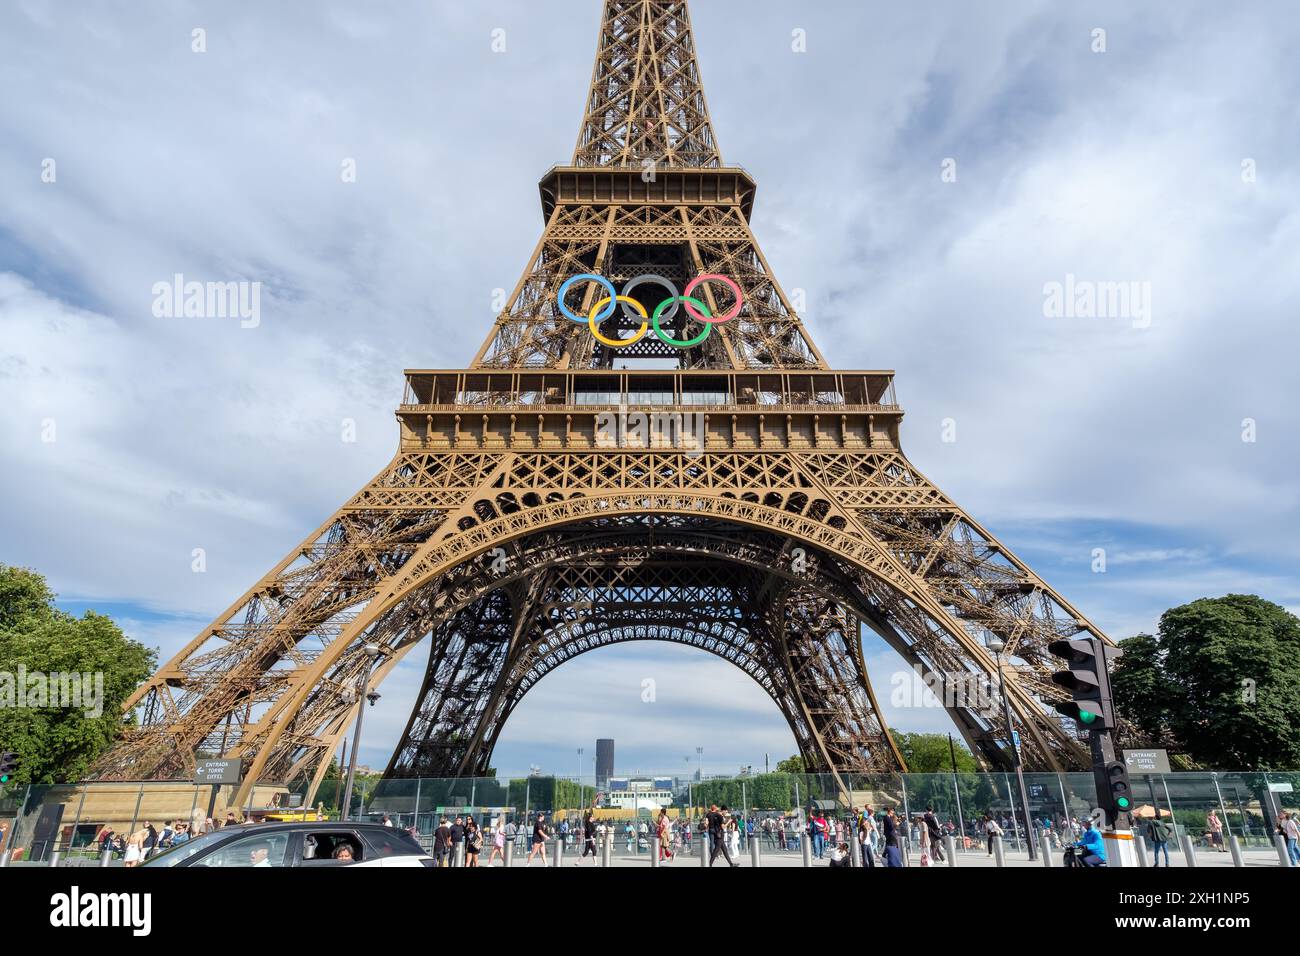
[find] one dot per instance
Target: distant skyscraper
(604, 762)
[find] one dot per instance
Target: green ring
(681, 343)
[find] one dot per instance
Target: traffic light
(1086, 680)
(8, 766)
(1113, 788)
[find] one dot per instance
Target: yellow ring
(618, 343)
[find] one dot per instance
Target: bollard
(654, 855)
(558, 859)
(755, 859)
(950, 845)
(997, 850)
(806, 844)
(704, 848)
(458, 856)
(54, 858)
(4, 857)
(1283, 857)
(510, 852)
(1189, 851)
(1235, 849)
(905, 851)
(1140, 845)
(607, 850)
(1045, 848)
(855, 852)
(106, 856)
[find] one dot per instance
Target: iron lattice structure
(514, 531)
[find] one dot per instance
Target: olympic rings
(735, 310)
(559, 296)
(617, 343)
(607, 306)
(665, 283)
(682, 343)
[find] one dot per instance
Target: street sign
(1280, 788)
(215, 772)
(1147, 761)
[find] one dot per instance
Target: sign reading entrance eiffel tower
(730, 492)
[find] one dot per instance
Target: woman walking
(473, 842)
(498, 842)
(664, 835)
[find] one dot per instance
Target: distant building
(639, 794)
(604, 761)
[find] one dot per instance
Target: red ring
(735, 311)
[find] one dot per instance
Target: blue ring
(613, 295)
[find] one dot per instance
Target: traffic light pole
(1020, 769)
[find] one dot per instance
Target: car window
(322, 846)
(183, 851)
(258, 850)
(392, 842)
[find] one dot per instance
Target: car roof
(300, 825)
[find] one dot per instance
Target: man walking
(717, 824)
(893, 853)
(442, 842)
(1158, 834)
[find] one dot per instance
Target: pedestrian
(664, 836)
(442, 842)
(840, 855)
(498, 842)
(893, 852)
(457, 839)
(539, 840)
(867, 837)
(1216, 831)
(1158, 834)
(930, 823)
(991, 829)
(1291, 832)
(817, 833)
(589, 838)
(717, 836)
(473, 842)
(135, 847)
(387, 821)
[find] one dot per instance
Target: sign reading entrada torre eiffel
(648, 446)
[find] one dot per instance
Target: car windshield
(185, 850)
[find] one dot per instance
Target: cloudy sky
(1167, 437)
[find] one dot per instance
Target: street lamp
(372, 652)
(996, 645)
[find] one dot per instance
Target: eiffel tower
(551, 500)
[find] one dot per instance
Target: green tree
(1221, 682)
(930, 753)
(793, 764)
(55, 744)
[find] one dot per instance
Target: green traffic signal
(1086, 716)
(1122, 803)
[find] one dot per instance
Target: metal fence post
(510, 852)
(951, 846)
(557, 860)
(654, 855)
(1283, 857)
(756, 859)
(1235, 849)
(704, 848)
(1189, 850)
(54, 857)
(1140, 845)
(106, 856)
(458, 856)
(1045, 846)
(998, 856)
(855, 852)
(806, 844)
